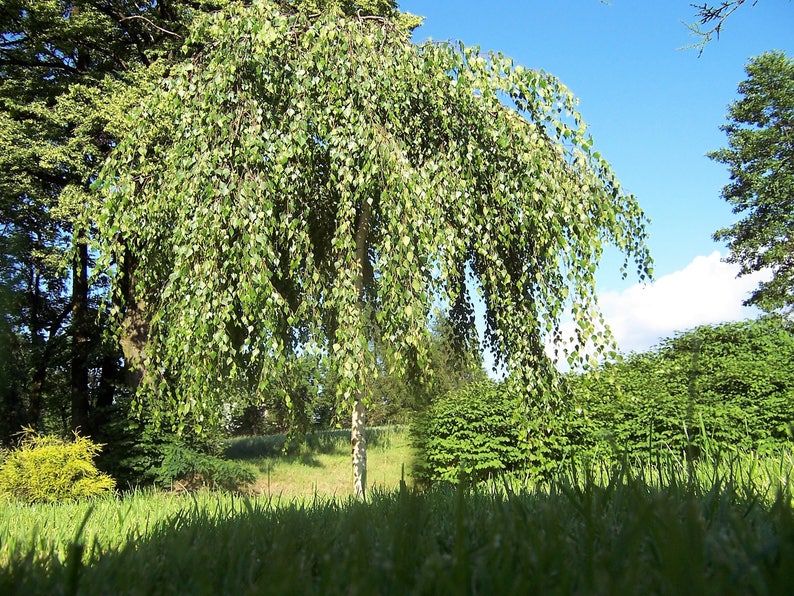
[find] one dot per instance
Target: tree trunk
(80, 340)
(108, 377)
(135, 332)
(135, 327)
(11, 403)
(358, 440)
(33, 416)
(41, 348)
(37, 353)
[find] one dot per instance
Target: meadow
(671, 527)
(321, 464)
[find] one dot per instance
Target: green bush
(471, 431)
(712, 389)
(48, 469)
(190, 470)
(133, 447)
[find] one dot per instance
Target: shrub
(133, 449)
(473, 431)
(712, 389)
(49, 469)
(135, 445)
(190, 470)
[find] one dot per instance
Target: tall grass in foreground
(678, 529)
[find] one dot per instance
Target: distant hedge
(712, 389)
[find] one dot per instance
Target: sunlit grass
(321, 465)
(666, 527)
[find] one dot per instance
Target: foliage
(760, 158)
(453, 364)
(720, 531)
(473, 432)
(711, 390)
(315, 182)
(304, 402)
(395, 399)
(69, 70)
(134, 448)
(48, 469)
(188, 469)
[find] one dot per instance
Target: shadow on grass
(305, 459)
(326, 442)
(623, 538)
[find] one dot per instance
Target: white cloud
(706, 291)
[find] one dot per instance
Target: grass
(321, 465)
(672, 528)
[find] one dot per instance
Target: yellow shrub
(49, 469)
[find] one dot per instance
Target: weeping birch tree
(320, 183)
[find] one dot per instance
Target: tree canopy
(317, 182)
(760, 158)
(68, 68)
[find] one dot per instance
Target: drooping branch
(371, 175)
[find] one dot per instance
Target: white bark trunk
(359, 444)
(357, 438)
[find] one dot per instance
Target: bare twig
(709, 13)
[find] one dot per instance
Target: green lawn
(673, 529)
(322, 465)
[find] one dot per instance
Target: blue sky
(654, 110)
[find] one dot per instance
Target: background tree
(316, 183)
(760, 157)
(68, 69)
